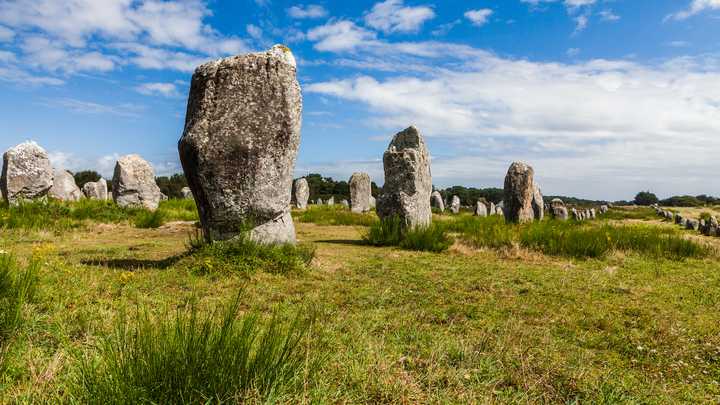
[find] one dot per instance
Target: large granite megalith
(26, 173)
(64, 187)
(408, 182)
(360, 192)
(134, 184)
(241, 138)
(302, 193)
(519, 193)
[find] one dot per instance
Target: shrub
(243, 255)
(392, 231)
(646, 198)
(194, 359)
(17, 287)
(334, 215)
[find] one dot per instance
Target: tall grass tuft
(638, 213)
(179, 210)
(392, 231)
(150, 219)
(490, 232)
(192, 358)
(334, 215)
(17, 287)
(243, 255)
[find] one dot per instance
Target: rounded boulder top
(278, 52)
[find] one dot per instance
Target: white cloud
(159, 59)
(308, 11)
(339, 36)
(479, 17)
(88, 107)
(605, 119)
(393, 16)
(572, 52)
(581, 22)
(254, 31)
(43, 53)
(158, 89)
(696, 7)
(608, 15)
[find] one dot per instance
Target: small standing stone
(455, 204)
(26, 173)
(302, 193)
(96, 190)
(186, 193)
(373, 202)
(64, 187)
(538, 205)
(345, 203)
(437, 201)
(360, 191)
(134, 184)
(408, 182)
(331, 201)
(480, 209)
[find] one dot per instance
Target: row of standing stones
(238, 152)
(27, 175)
(708, 227)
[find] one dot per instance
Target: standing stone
(319, 201)
(331, 201)
(455, 204)
(692, 224)
(492, 208)
(373, 202)
(575, 214)
(604, 209)
(302, 193)
(96, 190)
(408, 182)
(240, 143)
(26, 173)
(64, 187)
(480, 209)
(519, 193)
(360, 191)
(538, 205)
(186, 193)
(679, 219)
(346, 204)
(437, 201)
(134, 184)
(499, 211)
(593, 213)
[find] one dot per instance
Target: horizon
(604, 99)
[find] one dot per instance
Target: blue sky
(603, 97)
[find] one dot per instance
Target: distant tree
(171, 186)
(646, 198)
(469, 196)
(86, 176)
(683, 201)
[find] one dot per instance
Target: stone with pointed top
(519, 193)
(64, 187)
(437, 201)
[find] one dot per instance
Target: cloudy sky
(603, 97)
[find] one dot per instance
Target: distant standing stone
(345, 203)
(96, 190)
(604, 209)
(319, 201)
(437, 201)
(593, 213)
(26, 173)
(331, 201)
(692, 224)
(538, 205)
(373, 202)
(360, 192)
(480, 209)
(302, 193)
(499, 211)
(408, 182)
(186, 193)
(64, 187)
(455, 204)
(240, 144)
(519, 193)
(134, 184)
(492, 209)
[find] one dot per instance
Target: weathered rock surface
(240, 144)
(480, 209)
(64, 187)
(560, 213)
(331, 201)
(373, 202)
(26, 173)
(360, 192)
(96, 190)
(538, 205)
(186, 193)
(408, 182)
(519, 193)
(302, 193)
(455, 204)
(134, 184)
(437, 201)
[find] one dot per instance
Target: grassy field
(482, 322)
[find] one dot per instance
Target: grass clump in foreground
(219, 358)
(576, 239)
(392, 231)
(334, 215)
(150, 219)
(243, 255)
(17, 287)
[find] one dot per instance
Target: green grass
(17, 287)
(578, 240)
(190, 358)
(244, 256)
(621, 213)
(392, 232)
(150, 220)
(334, 215)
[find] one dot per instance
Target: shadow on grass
(134, 264)
(356, 242)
